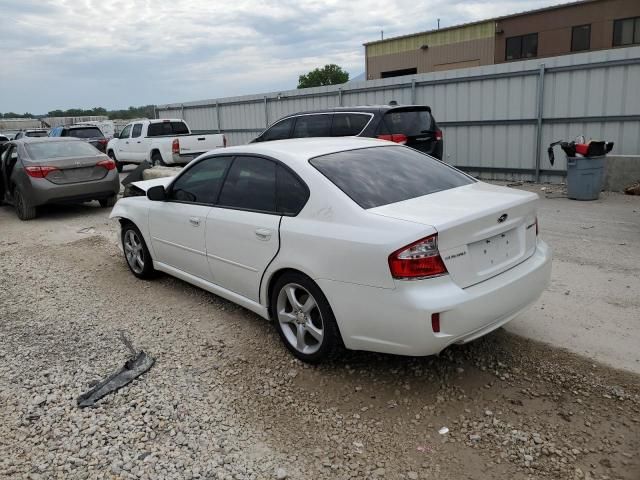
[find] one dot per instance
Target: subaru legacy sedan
(39, 171)
(343, 242)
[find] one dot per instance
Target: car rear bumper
(398, 320)
(40, 191)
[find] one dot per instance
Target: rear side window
(348, 124)
(312, 126)
(137, 130)
(292, 193)
(167, 128)
(382, 175)
(250, 185)
(85, 132)
(407, 122)
(201, 183)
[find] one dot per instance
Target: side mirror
(157, 193)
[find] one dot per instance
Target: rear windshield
(408, 122)
(382, 175)
(47, 150)
(37, 133)
(167, 128)
(85, 132)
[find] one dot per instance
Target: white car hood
(147, 184)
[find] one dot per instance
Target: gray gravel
(226, 401)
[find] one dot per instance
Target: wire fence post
(266, 112)
(182, 111)
(340, 96)
(413, 91)
(218, 116)
(540, 98)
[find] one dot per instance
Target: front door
(123, 148)
(242, 230)
(178, 226)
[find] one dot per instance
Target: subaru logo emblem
(502, 218)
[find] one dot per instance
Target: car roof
(359, 109)
(304, 148)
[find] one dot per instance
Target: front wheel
(304, 319)
(136, 252)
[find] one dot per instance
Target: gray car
(39, 171)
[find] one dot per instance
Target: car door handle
(263, 234)
(195, 221)
(127, 143)
(138, 141)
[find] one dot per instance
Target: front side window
(626, 31)
(279, 131)
(137, 130)
(201, 183)
(250, 185)
(377, 176)
(125, 132)
(312, 126)
(523, 46)
(580, 38)
(348, 124)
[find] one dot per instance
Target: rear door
(242, 229)
(416, 123)
(178, 226)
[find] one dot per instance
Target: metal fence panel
(489, 114)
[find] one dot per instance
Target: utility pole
(381, 34)
(438, 24)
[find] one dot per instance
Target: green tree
(328, 75)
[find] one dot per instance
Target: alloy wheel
(300, 318)
(134, 251)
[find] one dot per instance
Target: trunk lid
(483, 229)
(74, 169)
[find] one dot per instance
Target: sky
(60, 54)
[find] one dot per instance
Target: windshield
(85, 132)
(60, 149)
(382, 175)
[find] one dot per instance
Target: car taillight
(108, 164)
(400, 138)
(39, 172)
(438, 134)
(175, 146)
(224, 141)
(420, 259)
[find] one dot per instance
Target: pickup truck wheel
(156, 160)
(119, 165)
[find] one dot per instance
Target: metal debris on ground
(633, 189)
(443, 431)
(138, 363)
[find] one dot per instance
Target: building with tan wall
(558, 30)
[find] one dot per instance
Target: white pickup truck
(165, 141)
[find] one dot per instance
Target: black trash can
(585, 177)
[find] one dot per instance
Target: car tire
(304, 319)
(119, 165)
(23, 209)
(136, 252)
(156, 160)
(109, 201)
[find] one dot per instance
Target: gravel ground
(226, 401)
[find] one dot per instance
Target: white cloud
(112, 53)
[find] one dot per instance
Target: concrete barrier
(621, 171)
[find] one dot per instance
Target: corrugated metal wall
(489, 114)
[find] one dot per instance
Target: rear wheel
(23, 209)
(156, 160)
(108, 202)
(136, 252)
(304, 319)
(119, 165)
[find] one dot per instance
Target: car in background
(89, 133)
(39, 171)
(343, 241)
(410, 125)
(166, 141)
(32, 132)
(4, 139)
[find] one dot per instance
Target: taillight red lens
(39, 172)
(435, 322)
(438, 134)
(420, 259)
(395, 137)
(108, 164)
(175, 146)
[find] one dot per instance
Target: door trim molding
(167, 242)
(231, 262)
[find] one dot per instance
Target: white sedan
(347, 242)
